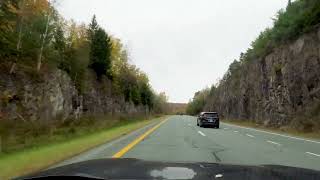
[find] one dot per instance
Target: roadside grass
(26, 161)
(285, 130)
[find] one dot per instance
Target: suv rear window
(210, 114)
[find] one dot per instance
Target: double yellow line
(136, 141)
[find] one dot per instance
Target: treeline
(299, 17)
(34, 36)
(196, 105)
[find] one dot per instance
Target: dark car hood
(139, 169)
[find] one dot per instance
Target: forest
(34, 36)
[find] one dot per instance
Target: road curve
(180, 140)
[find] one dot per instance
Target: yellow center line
(136, 141)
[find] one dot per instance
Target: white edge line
(274, 143)
(235, 131)
(313, 154)
(249, 135)
(276, 134)
(201, 133)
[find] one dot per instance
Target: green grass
(39, 157)
(286, 130)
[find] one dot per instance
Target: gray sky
(183, 45)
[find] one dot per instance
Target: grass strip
(37, 158)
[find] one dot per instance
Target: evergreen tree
(100, 53)
(93, 27)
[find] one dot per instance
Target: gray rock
(54, 97)
(276, 88)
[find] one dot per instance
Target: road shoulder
(35, 159)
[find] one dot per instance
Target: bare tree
(20, 28)
(44, 36)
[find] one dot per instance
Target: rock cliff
(53, 96)
(279, 89)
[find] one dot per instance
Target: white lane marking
(274, 143)
(235, 131)
(201, 133)
(313, 154)
(189, 124)
(225, 128)
(308, 140)
(249, 135)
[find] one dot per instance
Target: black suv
(208, 119)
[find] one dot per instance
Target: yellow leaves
(39, 6)
(8, 27)
(12, 8)
(7, 15)
(118, 60)
(76, 34)
(29, 8)
(116, 49)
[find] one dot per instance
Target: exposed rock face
(53, 96)
(275, 89)
(26, 97)
(99, 100)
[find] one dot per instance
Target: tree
(119, 56)
(43, 41)
(160, 103)
(289, 3)
(33, 33)
(146, 93)
(30, 31)
(59, 45)
(93, 27)
(100, 50)
(8, 18)
(76, 54)
(198, 102)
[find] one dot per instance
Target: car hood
(140, 169)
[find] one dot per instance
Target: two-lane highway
(178, 139)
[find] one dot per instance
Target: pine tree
(93, 26)
(100, 50)
(100, 54)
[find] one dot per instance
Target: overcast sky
(183, 45)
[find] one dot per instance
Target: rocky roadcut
(54, 96)
(72, 91)
(276, 89)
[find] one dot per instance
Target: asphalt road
(179, 140)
